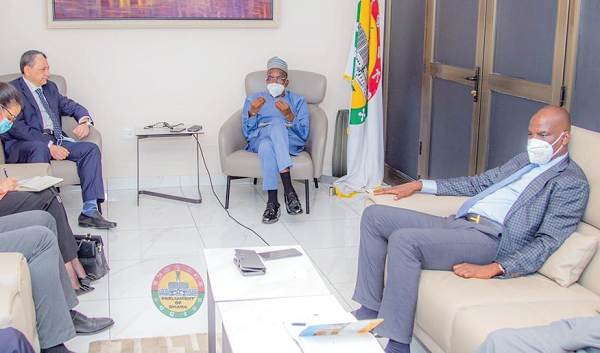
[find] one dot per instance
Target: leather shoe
(88, 326)
(95, 221)
(292, 204)
(272, 213)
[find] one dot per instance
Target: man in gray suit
(33, 234)
(519, 214)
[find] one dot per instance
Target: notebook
(38, 183)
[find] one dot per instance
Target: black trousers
(46, 200)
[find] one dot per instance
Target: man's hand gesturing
(255, 105)
(284, 108)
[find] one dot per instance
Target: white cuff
(50, 143)
(429, 186)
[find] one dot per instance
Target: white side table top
(257, 325)
(287, 277)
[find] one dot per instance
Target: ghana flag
(365, 133)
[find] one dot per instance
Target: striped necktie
(462, 211)
(56, 124)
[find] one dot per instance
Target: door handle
(475, 91)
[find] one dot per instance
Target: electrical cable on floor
(214, 193)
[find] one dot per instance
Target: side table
(163, 132)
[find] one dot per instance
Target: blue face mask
(5, 124)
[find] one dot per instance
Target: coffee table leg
(212, 334)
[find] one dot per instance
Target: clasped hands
(60, 153)
(282, 106)
(464, 270)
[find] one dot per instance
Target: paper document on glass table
(341, 333)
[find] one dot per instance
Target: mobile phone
(248, 263)
(279, 254)
(194, 128)
(177, 129)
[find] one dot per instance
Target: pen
(298, 324)
(5, 173)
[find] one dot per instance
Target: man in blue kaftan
(276, 125)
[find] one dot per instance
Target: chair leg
(316, 183)
(255, 181)
(306, 184)
(227, 192)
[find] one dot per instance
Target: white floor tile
(155, 243)
(339, 298)
(346, 291)
(339, 265)
(155, 217)
(234, 235)
(133, 278)
(326, 234)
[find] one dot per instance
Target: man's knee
(265, 147)
(42, 218)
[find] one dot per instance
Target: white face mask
(275, 89)
(541, 152)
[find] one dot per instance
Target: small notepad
(38, 183)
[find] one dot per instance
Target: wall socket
(128, 134)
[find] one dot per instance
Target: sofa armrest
(441, 206)
(16, 298)
(69, 124)
(231, 137)
(26, 170)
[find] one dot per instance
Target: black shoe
(56, 349)
(88, 326)
(96, 221)
(272, 213)
(84, 286)
(292, 204)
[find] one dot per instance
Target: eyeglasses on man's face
(12, 116)
(280, 80)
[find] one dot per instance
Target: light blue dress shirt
(496, 205)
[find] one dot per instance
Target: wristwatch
(88, 122)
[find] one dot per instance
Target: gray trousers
(411, 241)
(33, 234)
(580, 334)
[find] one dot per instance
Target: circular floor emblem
(178, 291)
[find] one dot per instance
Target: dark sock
(286, 178)
(56, 349)
(272, 196)
(397, 347)
(364, 313)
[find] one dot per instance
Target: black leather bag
(91, 255)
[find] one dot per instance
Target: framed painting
(162, 13)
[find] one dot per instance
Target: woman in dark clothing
(12, 202)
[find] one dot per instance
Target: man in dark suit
(37, 135)
(518, 215)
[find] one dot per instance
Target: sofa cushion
(583, 142)
(443, 296)
(568, 262)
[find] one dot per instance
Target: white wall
(135, 77)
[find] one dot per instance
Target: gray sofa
(61, 169)
(456, 314)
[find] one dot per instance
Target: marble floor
(161, 232)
